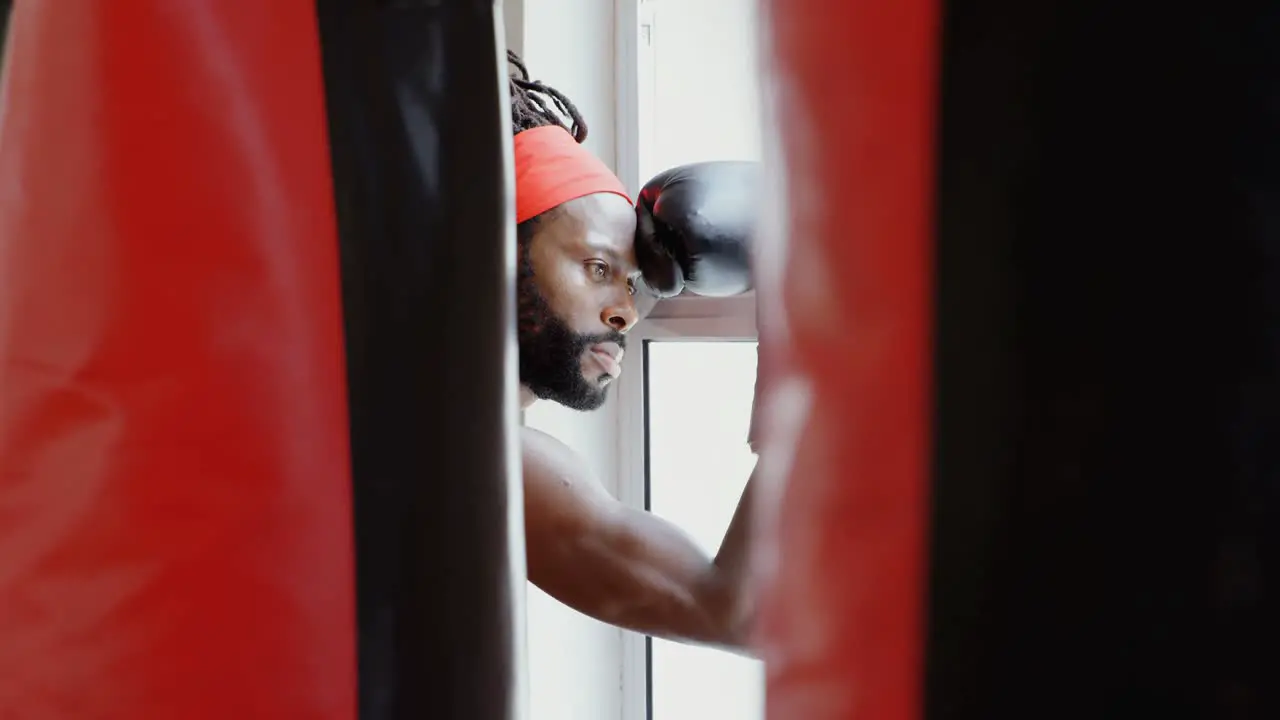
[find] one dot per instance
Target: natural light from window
(698, 83)
(699, 408)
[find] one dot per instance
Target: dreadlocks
(536, 105)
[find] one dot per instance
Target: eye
(598, 270)
(631, 286)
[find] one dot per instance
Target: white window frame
(684, 318)
(633, 89)
(680, 318)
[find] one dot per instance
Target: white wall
(575, 663)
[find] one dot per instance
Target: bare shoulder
(539, 446)
(553, 470)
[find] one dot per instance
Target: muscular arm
(624, 566)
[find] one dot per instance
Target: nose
(621, 316)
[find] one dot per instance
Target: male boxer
(582, 263)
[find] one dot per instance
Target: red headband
(552, 169)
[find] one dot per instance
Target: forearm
(731, 559)
(731, 567)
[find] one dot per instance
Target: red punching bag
(845, 334)
(175, 515)
(1022, 426)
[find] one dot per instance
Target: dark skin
(620, 565)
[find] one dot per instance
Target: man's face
(575, 297)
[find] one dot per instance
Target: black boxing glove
(695, 225)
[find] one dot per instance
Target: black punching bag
(6, 6)
(418, 117)
(1106, 478)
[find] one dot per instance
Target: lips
(609, 356)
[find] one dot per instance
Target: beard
(551, 352)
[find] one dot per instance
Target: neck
(527, 397)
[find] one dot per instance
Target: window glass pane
(699, 408)
(699, 83)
